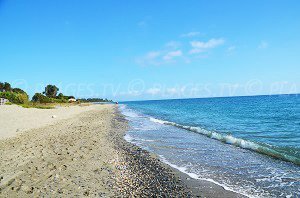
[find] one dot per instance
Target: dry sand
(84, 155)
(15, 119)
(80, 153)
(70, 157)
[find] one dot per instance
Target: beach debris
(53, 116)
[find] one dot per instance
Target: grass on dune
(49, 105)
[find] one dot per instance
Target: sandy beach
(81, 152)
(15, 119)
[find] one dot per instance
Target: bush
(18, 90)
(62, 98)
(38, 97)
(17, 98)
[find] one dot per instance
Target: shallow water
(220, 140)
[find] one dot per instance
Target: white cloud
(196, 51)
(152, 55)
(151, 58)
(176, 90)
(153, 91)
(231, 48)
(263, 45)
(190, 34)
(129, 93)
(212, 43)
(173, 44)
(159, 57)
(199, 46)
(174, 51)
(172, 91)
(172, 54)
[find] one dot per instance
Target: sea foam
(229, 139)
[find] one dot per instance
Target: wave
(198, 177)
(129, 113)
(229, 139)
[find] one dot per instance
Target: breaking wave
(229, 139)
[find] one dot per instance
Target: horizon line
(212, 97)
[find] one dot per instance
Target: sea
(249, 145)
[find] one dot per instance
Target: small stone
(53, 116)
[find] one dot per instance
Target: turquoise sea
(250, 145)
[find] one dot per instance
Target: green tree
(38, 97)
(18, 90)
(1, 86)
(7, 86)
(51, 91)
(60, 96)
(17, 98)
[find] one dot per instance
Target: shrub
(60, 96)
(17, 98)
(38, 97)
(18, 90)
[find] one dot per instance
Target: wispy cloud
(190, 34)
(231, 48)
(151, 58)
(172, 54)
(166, 91)
(153, 91)
(179, 90)
(263, 45)
(185, 52)
(173, 44)
(167, 54)
(199, 46)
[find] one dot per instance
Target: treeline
(14, 95)
(94, 100)
(50, 96)
(19, 96)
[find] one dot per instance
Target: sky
(145, 50)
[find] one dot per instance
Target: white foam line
(229, 139)
(128, 138)
(195, 176)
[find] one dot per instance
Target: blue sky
(136, 50)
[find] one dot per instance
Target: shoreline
(198, 188)
(149, 176)
(85, 154)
